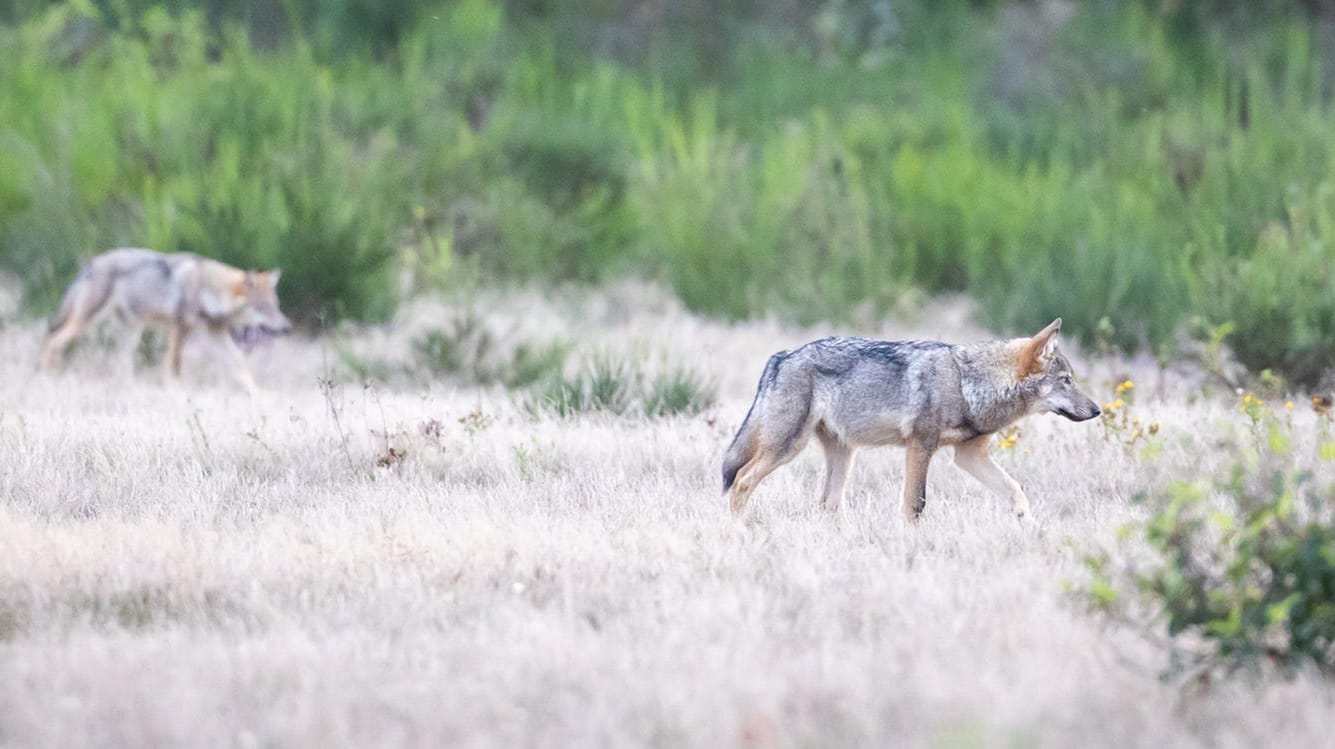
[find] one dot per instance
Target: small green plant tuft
(559, 395)
(616, 386)
(533, 362)
(463, 349)
(610, 383)
(679, 391)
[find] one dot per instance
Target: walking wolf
(181, 291)
(855, 392)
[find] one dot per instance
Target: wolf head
(248, 307)
(261, 303)
(1041, 364)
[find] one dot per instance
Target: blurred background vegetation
(1142, 167)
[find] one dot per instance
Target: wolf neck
(994, 394)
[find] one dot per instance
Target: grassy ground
(183, 565)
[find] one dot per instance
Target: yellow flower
(1288, 405)
(1125, 386)
(1118, 403)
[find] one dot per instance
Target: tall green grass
(1134, 162)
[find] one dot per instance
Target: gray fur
(181, 291)
(856, 392)
(143, 286)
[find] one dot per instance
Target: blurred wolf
(854, 392)
(181, 291)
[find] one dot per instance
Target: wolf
(923, 395)
(182, 291)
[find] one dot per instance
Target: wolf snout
(1079, 413)
(282, 328)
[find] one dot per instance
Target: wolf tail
(84, 298)
(739, 453)
(745, 444)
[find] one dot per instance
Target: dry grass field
(182, 565)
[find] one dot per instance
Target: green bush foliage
(1241, 571)
(146, 142)
(1138, 163)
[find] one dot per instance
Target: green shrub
(1280, 297)
(1135, 163)
(1241, 571)
(242, 161)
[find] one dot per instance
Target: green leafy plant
(678, 391)
(1240, 572)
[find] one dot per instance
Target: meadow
(431, 562)
(538, 254)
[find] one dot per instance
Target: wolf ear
(1047, 337)
(274, 275)
(1036, 350)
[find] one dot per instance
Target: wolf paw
(912, 514)
(1027, 520)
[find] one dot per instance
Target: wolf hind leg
(83, 303)
(973, 457)
(770, 455)
(58, 340)
(74, 321)
(127, 346)
(838, 462)
(176, 338)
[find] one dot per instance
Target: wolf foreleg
(917, 457)
(973, 457)
(838, 461)
(240, 369)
